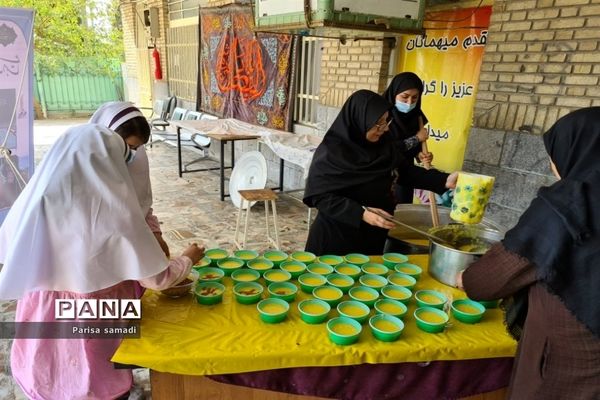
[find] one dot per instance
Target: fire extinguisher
(157, 68)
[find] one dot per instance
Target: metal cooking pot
(405, 241)
(446, 262)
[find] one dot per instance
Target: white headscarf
(77, 226)
(112, 115)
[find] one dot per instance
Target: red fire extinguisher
(157, 68)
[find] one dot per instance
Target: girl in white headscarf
(77, 231)
(129, 122)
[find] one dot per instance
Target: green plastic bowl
(204, 262)
(375, 269)
(210, 274)
(355, 310)
(391, 259)
(430, 298)
(409, 269)
(276, 275)
(230, 264)
(356, 259)
(260, 264)
(403, 280)
(431, 320)
(395, 292)
(245, 255)
(305, 257)
(283, 290)
(343, 330)
(209, 293)
(296, 268)
(330, 260)
(276, 256)
(272, 311)
(467, 311)
(351, 270)
(310, 281)
(248, 292)
(386, 328)
(313, 311)
(489, 303)
(216, 254)
(329, 294)
(245, 275)
(342, 282)
(373, 281)
(391, 307)
(365, 295)
(319, 268)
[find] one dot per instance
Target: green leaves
(67, 31)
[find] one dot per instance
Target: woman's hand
(194, 252)
(422, 134)
(163, 245)
(425, 158)
(451, 180)
(372, 218)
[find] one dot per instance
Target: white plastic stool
(265, 195)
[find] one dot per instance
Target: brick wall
(128, 19)
(346, 68)
(139, 67)
(542, 60)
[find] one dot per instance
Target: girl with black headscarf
(550, 264)
(405, 93)
(351, 169)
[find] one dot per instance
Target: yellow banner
(448, 59)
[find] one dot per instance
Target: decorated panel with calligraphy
(243, 74)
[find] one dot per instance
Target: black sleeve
(340, 209)
(421, 178)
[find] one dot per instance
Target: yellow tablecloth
(180, 336)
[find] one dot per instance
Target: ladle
(426, 234)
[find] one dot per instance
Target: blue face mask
(129, 155)
(405, 107)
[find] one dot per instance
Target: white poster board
(16, 104)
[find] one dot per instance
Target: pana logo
(97, 309)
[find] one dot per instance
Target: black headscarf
(345, 157)
(405, 124)
(560, 231)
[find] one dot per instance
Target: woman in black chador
(351, 169)
(405, 93)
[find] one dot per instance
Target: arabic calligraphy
(455, 90)
(421, 41)
(240, 67)
(445, 43)
(9, 66)
(475, 40)
(437, 134)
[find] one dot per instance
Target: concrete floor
(189, 209)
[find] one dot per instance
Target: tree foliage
(67, 32)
